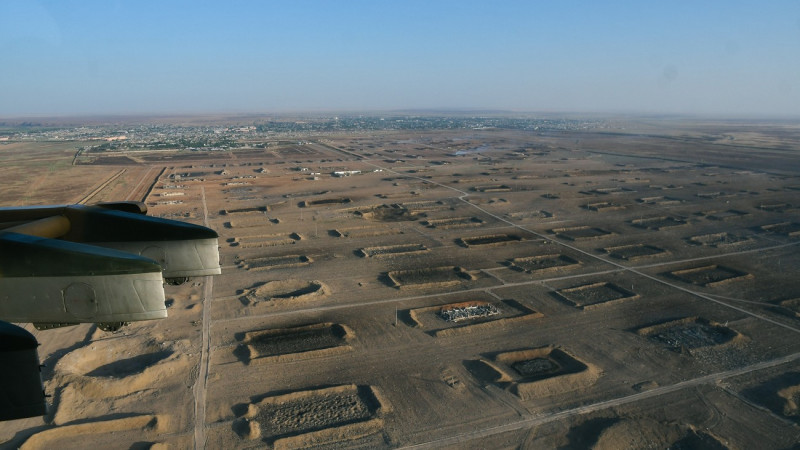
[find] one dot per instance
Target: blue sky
(142, 57)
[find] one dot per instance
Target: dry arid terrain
(626, 286)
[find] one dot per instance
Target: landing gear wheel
(176, 281)
(111, 326)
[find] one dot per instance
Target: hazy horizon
(732, 59)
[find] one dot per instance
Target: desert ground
(615, 288)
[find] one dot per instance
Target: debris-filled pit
(470, 316)
(388, 213)
(303, 418)
(689, 333)
(717, 239)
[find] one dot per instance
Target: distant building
(346, 173)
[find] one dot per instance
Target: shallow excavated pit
(264, 240)
(710, 275)
(127, 366)
(275, 262)
(454, 222)
(543, 263)
(325, 202)
(785, 228)
(729, 214)
(604, 206)
(115, 358)
(429, 277)
(648, 433)
(580, 233)
(322, 339)
(492, 239)
(780, 394)
(283, 290)
(392, 250)
(658, 223)
(119, 367)
(592, 295)
(635, 251)
(536, 372)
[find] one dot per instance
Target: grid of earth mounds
(689, 333)
(492, 239)
(446, 275)
(709, 275)
(275, 262)
(594, 294)
(554, 261)
(454, 222)
(581, 232)
(296, 340)
(785, 228)
(389, 250)
(658, 223)
(633, 252)
(717, 239)
(315, 410)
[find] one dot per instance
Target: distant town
(129, 135)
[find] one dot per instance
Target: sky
(96, 57)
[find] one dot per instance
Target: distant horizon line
(332, 113)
